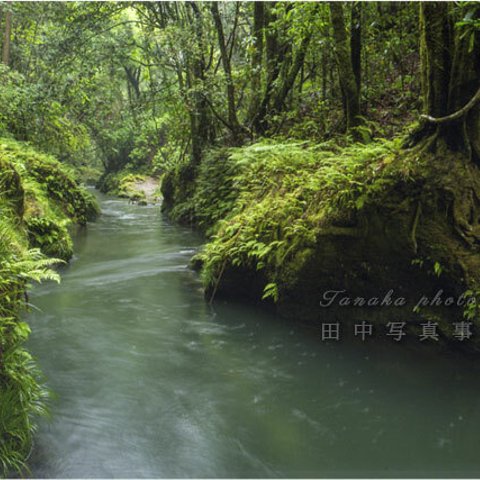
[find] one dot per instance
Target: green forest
(313, 146)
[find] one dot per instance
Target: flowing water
(152, 382)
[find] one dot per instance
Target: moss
(39, 200)
(46, 197)
(178, 186)
(289, 221)
(50, 236)
(124, 184)
(119, 183)
(61, 187)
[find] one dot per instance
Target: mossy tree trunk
(274, 53)
(348, 82)
(356, 42)
(450, 74)
(257, 55)
(436, 56)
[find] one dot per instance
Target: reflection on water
(152, 382)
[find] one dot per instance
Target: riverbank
(288, 222)
(137, 188)
(40, 201)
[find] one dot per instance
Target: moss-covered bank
(47, 197)
(39, 201)
(136, 187)
(289, 222)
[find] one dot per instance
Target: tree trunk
(356, 42)
(275, 55)
(257, 54)
(324, 76)
(346, 73)
(133, 79)
(233, 122)
(7, 38)
(199, 119)
(289, 79)
(435, 46)
(450, 74)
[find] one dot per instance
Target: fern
(270, 202)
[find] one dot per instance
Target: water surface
(152, 382)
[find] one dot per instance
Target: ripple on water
(153, 382)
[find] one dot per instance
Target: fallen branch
(454, 116)
(222, 269)
(217, 281)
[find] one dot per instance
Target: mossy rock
(46, 197)
(51, 237)
(124, 185)
(177, 189)
(305, 219)
(137, 196)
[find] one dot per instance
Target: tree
(290, 74)
(356, 42)
(348, 81)
(274, 51)
(233, 122)
(284, 60)
(257, 56)
(7, 38)
(450, 75)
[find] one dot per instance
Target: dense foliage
(39, 199)
(286, 196)
(104, 86)
(275, 127)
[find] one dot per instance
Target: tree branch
(217, 115)
(454, 116)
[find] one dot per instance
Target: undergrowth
(39, 200)
(265, 206)
(48, 194)
(23, 395)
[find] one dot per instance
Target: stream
(150, 381)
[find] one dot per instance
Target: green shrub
(23, 395)
(50, 236)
